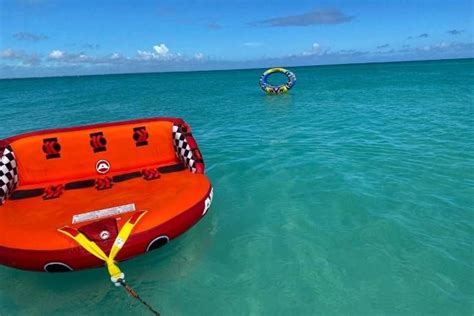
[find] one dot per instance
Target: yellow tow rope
(116, 275)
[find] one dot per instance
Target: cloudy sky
(75, 37)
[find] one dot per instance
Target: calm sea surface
(353, 194)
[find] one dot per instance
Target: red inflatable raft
(73, 198)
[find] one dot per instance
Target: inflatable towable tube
(70, 196)
(284, 88)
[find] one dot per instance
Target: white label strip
(116, 210)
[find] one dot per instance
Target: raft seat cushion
(37, 228)
(68, 155)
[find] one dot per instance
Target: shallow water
(353, 194)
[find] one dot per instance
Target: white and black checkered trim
(8, 173)
(183, 150)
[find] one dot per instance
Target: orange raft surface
(94, 179)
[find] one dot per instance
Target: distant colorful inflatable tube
(284, 88)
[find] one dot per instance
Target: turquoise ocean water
(351, 195)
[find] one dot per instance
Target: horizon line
(233, 69)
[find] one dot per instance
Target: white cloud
(143, 55)
(161, 50)
(7, 53)
(115, 56)
(252, 44)
(316, 50)
(443, 45)
(24, 58)
(56, 54)
(199, 56)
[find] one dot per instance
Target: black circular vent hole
(54, 267)
(157, 243)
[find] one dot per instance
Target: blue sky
(72, 37)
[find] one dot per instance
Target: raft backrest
(71, 154)
(8, 172)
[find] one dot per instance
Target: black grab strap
(172, 168)
(126, 176)
(79, 184)
(24, 194)
(82, 184)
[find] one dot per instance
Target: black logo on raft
(102, 166)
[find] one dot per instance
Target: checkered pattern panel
(8, 173)
(183, 150)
